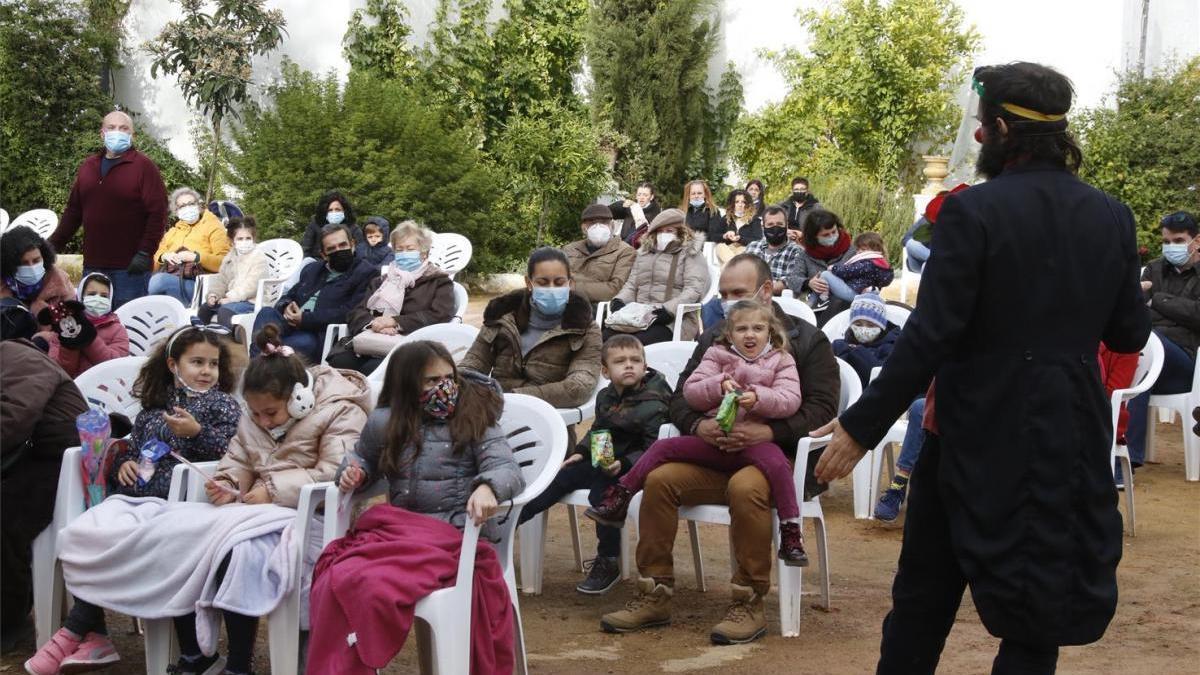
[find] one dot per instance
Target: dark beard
(992, 157)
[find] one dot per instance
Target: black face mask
(775, 235)
(340, 261)
(798, 195)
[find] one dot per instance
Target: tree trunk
(216, 159)
(541, 222)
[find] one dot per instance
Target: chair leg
(573, 518)
(1130, 513)
(697, 556)
(823, 555)
(532, 542)
(1151, 450)
(628, 548)
(425, 651)
(1191, 453)
(48, 588)
(159, 636)
(790, 585)
(283, 635)
(520, 656)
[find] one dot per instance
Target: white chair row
(42, 221)
(149, 319)
(337, 331)
(1168, 406)
(456, 337)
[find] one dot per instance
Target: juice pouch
(727, 413)
(152, 451)
(602, 448)
(94, 441)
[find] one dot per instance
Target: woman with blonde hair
(703, 216)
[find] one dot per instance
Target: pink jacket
(772, 377)
(57, 288)
(111, 342)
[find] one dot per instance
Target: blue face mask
(117, 141)
(551, 301)
(696, 203)
(30, 274)
(408, 261)
(335, 217)
(1176, 254)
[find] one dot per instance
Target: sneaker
(650, 607)
(49, 657)
(746, 620)
(95, 652)
(612, 509)
(603, 575)
(791, 545)
(820, 303)
(198, 665)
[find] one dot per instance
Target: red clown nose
(979, 134)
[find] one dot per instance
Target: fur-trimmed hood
(577, 316)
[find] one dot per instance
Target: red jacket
(123, 213)
(112, 341)
(1117, 371)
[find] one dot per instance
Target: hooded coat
(1010, 316)
(632, 417)
(561, 369)
(669, 277)
(381, 253)
(600, 274)
(311, 450)
(111, 341)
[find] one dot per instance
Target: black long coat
(1030, 271)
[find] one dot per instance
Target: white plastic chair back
(456, 337)
(460, 301)
(796, 308)
(451, 252)
(48, 587)
(283, 257)
(108, 385)
(3, 220)
(835, 328)
(149, 319)
(670, 358)
(42, 221)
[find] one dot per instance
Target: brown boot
(746, 620)
(612, 509)
(650, 607)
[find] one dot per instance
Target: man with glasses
(324, 294)
(121, 202)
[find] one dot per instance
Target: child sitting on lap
(865, 270)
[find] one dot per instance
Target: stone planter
(936, 169)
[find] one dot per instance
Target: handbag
(187, 270)
(370, 343)
(632, 318)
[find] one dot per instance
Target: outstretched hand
(841, 454)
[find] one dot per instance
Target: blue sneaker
(888, 508)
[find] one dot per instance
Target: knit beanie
(869, 307)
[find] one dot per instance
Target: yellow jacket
(206, 237)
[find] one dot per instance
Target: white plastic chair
(586, 411)
(682, 309)
(1149, 367)
(907, 276)
(796, 308)
(108, 385)
(284, 257)
(3, 220)
(49, 590)
(460, 302)
(601, 313)
(456, 337)
(835, 328)
(149, 319)
(337, 331)
(42, 221)
(670, 358)
(450, 252)
(865, 477)
(199, 292)
(789, 578)
(1183, 404)
(443, 629)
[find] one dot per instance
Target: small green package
(727, 413)
(602, 448)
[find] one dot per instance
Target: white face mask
(865, 334)
(663, 239)
(189, 213)
(598, 235)
(97, 305)
(243, 246)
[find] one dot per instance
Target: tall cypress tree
(649, 66)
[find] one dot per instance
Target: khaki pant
(748, 496)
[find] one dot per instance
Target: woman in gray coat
(436, 438)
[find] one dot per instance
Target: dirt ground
(1155, 630)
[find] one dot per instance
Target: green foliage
(377, 41)
(1146, 152)
(649, 65)
(211, 56)
(866, 205)
(876, 83)
(394, 153)
(552, 166)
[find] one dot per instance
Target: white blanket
(150, 559)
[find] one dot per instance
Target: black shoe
(603, 575)
(202, 665)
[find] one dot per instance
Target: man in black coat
(1012, 493)
(797, 206)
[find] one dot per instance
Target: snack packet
(727, 413)
(152, 451)
(602, 448)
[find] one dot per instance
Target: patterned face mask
(440, 400)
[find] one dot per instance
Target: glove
(140, 263)
(68, 320)
(662, 316)
(615, 305)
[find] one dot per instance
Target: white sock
(790, 520)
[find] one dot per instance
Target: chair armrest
(601, 313)
(179, 476)
(680, 311)
(803, 448)
(668, 431)
(875, 373)
(333, 333)
(466, 557)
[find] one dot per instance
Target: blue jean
(305, 342)
(918, 253)
(174, 286)
(1176, 378)
(838, 288)
(579, 476)
(126, 286)
(914, 438)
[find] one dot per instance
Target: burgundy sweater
(122, 213)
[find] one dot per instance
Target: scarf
(830, 252)
(388, 300)
(26, 293)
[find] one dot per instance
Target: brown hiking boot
(612, 509)
(791, 545)
(746, 620)
(650, 607)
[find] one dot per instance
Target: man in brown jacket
(746, 277)
(600, 262)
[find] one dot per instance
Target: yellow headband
(1031, 114)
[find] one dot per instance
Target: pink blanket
(367, 584)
